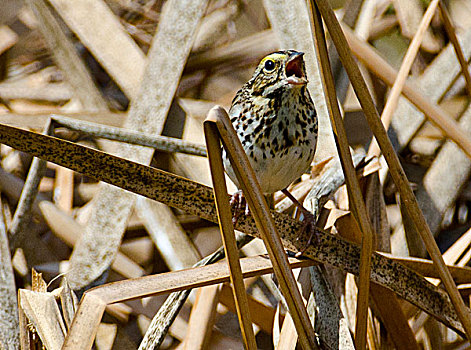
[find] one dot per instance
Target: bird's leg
(237, 202)
(309, 222)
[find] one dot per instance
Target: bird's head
(279, 70)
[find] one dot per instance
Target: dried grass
(119, 91)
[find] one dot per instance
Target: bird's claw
(240, 205)
(308, 225)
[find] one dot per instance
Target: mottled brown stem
(354, 192)
(227, 232)
(397, 172)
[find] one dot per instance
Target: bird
(276, 122)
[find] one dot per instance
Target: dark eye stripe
(278, 75)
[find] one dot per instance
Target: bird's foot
(308, 227)
(240, 206)
(308, 224)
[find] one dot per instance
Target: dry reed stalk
(168, 53)
(332, 323)
(264, 221)
(453, 253)
(197, 199)
(86, 322)
(215, 26)
(69, 303)
(57, 92)
(290, 22)
(354, 193)
(424, 267)
(288, 338)
(25, 207)
(326, 186)
(444, 179)
(64, 188)
(262, 315)
(451, 256)
(121, 57)
(176, 248)
(194, 168)
(9, 326)
(396, 170)
(434, 83)
(166, 315)
(213, 146)
(68, 59)
(403, 73)
(438, 189)
(139, 249)
(409, 14)
(43, 312)
(385, 302)
(106, 336)
(384, 71)
(393, 317)
(450, 30)
(38, 251)
(8, 38)
(69, 231)
(465, 259)
(93, 303)
(202, 318)
(157, 142)
(243, 50)
(37, 121)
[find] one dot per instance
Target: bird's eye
(269, 65)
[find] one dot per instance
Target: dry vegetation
(115, 84)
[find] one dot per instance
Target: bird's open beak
(294, 69)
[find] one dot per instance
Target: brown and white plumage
(276, 121)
